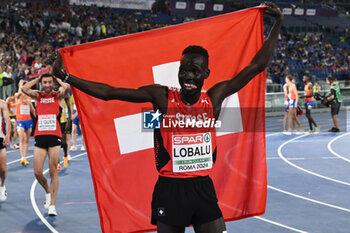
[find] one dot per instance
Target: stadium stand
(31, 30)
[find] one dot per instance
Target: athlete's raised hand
(272, 9)
(58, 68)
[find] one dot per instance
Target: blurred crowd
(311, 54)
(30, 33)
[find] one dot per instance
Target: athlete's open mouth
(190, 86)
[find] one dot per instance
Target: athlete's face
(287, 81)
(305, 79)
(192, 72)
(48, 84)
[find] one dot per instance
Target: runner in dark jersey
(48, 137)
(174, 211)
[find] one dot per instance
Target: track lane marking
(303, 169)
(329, 146)
(308, 199)
(35, 206)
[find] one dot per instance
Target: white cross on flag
(121, 153)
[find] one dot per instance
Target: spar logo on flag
(151, 120)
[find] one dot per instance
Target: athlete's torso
(23, 104)
(65, 113)
(291, 94)
(48, 112)
(11, 106)
(186, 150)
(308, 92)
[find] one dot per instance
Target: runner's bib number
(192, 152)
(47, 122)
(25, 109)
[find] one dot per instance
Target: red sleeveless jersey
(48, 113)
(185, 145)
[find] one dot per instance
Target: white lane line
(17, 160)
(27, 157)
(311, 158)
(271, 134)
(35, 206)
(279, 224)
(303, 169)
(308, 199)
(333, 152)
(264, 219)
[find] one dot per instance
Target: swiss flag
(121, 153)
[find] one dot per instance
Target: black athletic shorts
(184, 201)
(335, 106)
(46, 141)
(2, 144)
(63, 128)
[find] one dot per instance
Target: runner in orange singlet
(11, 107)
(24, 121)
(309, 103)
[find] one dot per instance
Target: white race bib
(192, 152)
(25, 109)
(47, 122)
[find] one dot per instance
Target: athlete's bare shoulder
(157, 91)
(159, 95)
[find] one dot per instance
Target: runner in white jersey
(4, 140)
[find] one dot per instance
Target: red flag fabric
(121, 153)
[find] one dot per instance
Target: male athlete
(11, 106)
(187, 196)
(4, 140)
(24, 121)
(309, 103)
(293, 99)
(48, 137)
(66, 127)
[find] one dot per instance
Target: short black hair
(45, 75)
(197, 50)
(330, 78)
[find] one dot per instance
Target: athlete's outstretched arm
(104, 91)
(260, 61)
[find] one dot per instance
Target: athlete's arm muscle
(7, 120)
(29, 92)
(296, 94)
(150, 93)
(285, 92)
(63, 89)
(226, 88)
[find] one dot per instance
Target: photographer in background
(334, 98)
